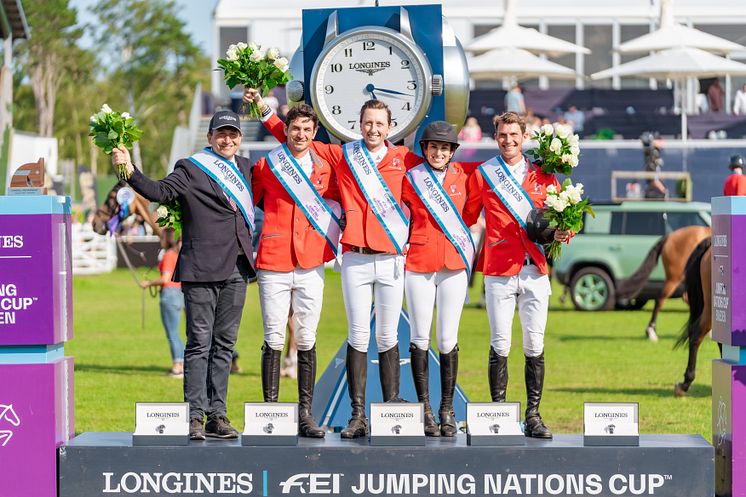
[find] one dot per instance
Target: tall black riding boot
(307, 426)
(388, 368)
(419, 360)
(448, 373)
(270, 373)
(498, 376)
(357, 372)
(534, 386)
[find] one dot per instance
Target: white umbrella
(510, 34)
(515, 62)
(671, 35)
(677, 64)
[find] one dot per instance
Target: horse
(111, 207)
(674, 250)
(697, 282)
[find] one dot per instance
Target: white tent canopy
(680, 36)
(517, 63)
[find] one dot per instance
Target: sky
(196, 13)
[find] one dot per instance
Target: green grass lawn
(601, 356)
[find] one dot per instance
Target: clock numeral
(411, 84)
(348, 52)
(352, 124)
(394, 124)
(405, 64)
(336, 109)
(407, 106)
(336, 67)
(391, 50)
(369, 45)
(328, 89)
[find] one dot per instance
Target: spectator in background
(739, 103)
(172, 300)
(471, 132)
(651, 149)
(514, 101)
(575, 118)
(715, 96)
(735, 184)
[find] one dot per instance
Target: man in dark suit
(214, 265)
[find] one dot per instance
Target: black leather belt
(365, 250)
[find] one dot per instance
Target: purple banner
(35, 279)
(729, 427)
(36, 417)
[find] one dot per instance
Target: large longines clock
(372, 62)
(379, 62)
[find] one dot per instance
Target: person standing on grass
(300, 234)
(214, 264)
(171, 300)
(515, 269)
(369, 175)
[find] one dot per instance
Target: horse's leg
(680, 389)
(668, 288)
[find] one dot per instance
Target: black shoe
(419, 362)
(535, 428)
(220, 427)
(196, 429)
(357, 372)
(534, 372)
(448, 373)
(307, 426)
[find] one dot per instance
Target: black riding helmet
(736, 161)
(537, 227)
(439, 131)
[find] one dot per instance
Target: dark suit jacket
(211, 230)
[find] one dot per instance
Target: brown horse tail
(696, 297)
(630, 287)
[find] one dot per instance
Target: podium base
(269, 440)
(494, 440)
(159, 440)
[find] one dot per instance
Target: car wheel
(592, 290)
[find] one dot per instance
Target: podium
(36, 390)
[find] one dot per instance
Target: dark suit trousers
(213, 313)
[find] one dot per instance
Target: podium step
(102, 464)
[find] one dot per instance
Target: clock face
(370, 63)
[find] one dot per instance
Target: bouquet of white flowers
(558, 148)
(565, 209)
(248, 65)
(111, 129)
(169, 216)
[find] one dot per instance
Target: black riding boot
(534, 386)
(270, 373)
(419, 361)
(307, 427)
(498, 376)
(357, 372)
(448, 372)
(389, 372)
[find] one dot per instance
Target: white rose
(231, 48)
(574, 149)
(573, 140)
(254, 46)
(281, 64)
(564, 196)
(547, 129)
(579, 187)
(574, 162)
(566, 158)
(563, 131)
(94, 118)
(256, 56)
(555, 146)
(560, 205)
(551, 189)
(126, 115)
(273, 53)
(241, 46)
(232, 53)
(550, 201)
(106, 109)
(575, 197)
(162, 211)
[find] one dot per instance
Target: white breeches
(301, 289)
(531, 290)
(445, 290)
(366, 279)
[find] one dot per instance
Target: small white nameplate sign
(161, 423)
(494, 423)
(397, 423)
(611, 423)
(267, 419)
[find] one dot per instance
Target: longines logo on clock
(370, 67)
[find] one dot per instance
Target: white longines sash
(435, 198)
(227, 175)
(377, 193)
(319, 213)
(507, 188)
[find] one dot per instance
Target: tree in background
(152, 65)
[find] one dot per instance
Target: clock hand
(369, 88)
